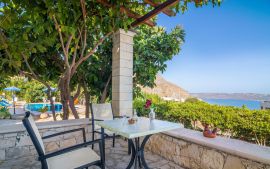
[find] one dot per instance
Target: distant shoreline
(250, 104)
(235, 96)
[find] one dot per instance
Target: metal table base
(137, 153)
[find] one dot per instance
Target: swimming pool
(38, 106)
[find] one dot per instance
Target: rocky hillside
(167, 90)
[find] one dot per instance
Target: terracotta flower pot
(209, 134)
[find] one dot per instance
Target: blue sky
(227, 48)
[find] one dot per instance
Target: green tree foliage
(31, 90)
(72, 29)
(34, 92)
(244, 124)
(153, 47)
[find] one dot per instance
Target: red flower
(147, 104)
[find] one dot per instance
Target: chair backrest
(33, 132)
(101, 111)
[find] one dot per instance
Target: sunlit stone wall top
(189, 149)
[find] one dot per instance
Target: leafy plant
(4, 113)
(43, 109)
(244, 124)
(192, 100)
(31, 90)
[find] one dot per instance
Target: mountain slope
(167, 90)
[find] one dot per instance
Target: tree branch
(34, 75)
(84, 42)
(68, 43)
(36, 78)
(75, 51)
(3, 39)
(105, 90)
(57, 27)
(78, 92)
(90, 53)
(28, 66)
(84, 25)
(83, 9)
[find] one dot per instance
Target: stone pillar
(122, 72)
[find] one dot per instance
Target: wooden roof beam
(128, 12)
(166, 11)
(154, 12)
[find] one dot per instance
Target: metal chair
(78, 156)
(100, 112)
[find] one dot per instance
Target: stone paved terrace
(118, 158)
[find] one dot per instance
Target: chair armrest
(120, 117)
(117, 117)
(65, 132)
(72, 148)
(99, 132)
(98, 120)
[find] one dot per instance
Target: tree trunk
(72, 107)
(67, 100)
(49, 95)
(105, 90)
(77, 94)
(87, 100)
(64, 101)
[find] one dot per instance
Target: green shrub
(34, 92)
(241, 123)
(4, 113)
(31, 90)
(43, 109)
(192, 100)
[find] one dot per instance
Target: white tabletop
(141, 128)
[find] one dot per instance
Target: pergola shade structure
(122, 55)
(145, 19)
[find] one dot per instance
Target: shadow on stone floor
(117, 157)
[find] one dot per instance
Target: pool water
(38, 106)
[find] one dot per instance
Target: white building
(265, 105)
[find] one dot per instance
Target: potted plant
(44, 114)
(150, 106)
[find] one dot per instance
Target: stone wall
(188, 154)
(184, 147)
(17, 150)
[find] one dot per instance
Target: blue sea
(251, 104)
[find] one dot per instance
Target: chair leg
(129, 148)
(113, 143)
(93, 138)
(102, 166)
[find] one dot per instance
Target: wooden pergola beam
(128, 12)
(166, 11)
(154, 12)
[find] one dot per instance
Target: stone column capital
(127, 33)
